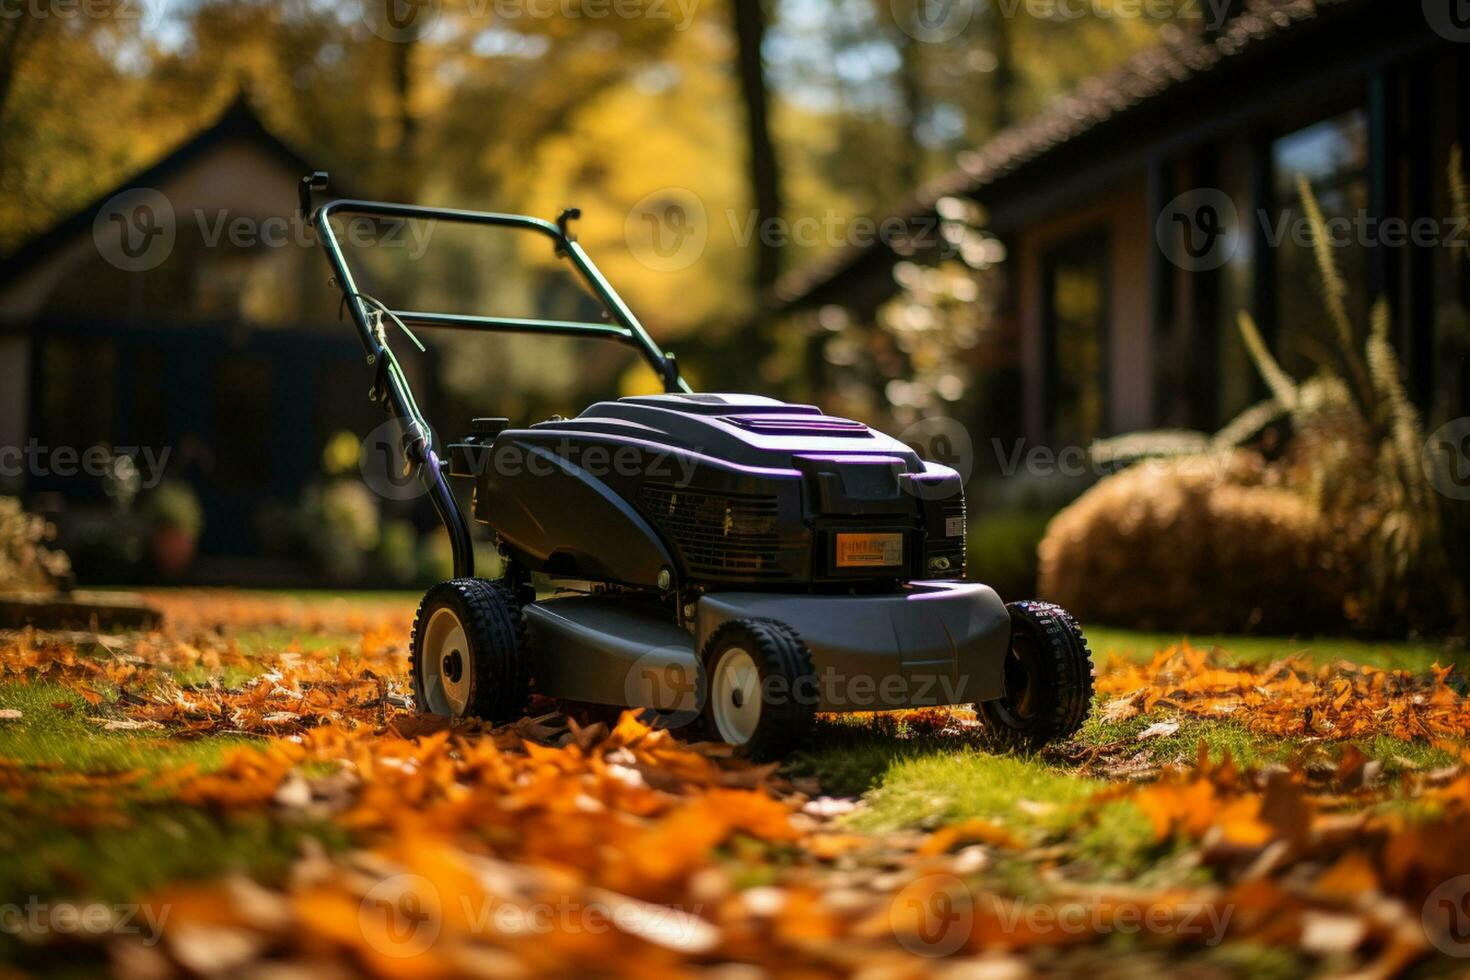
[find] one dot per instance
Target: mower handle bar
(624, 328)
(392, 386)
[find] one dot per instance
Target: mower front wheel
(762, 689)
(1048, 679)
(468, 654)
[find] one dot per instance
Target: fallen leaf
(124, 724)
(1160, 729)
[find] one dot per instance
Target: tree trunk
(764, 168)
(404, 181)
(911, 169)
(1003, 79)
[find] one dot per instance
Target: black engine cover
(722, 490)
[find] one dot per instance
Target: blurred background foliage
(721, 113)
(521, 112)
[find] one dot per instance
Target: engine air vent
(723, 535)
(798, 425)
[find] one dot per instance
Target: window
(241, 436)
(1075, 280)
(1333, 156)
(1232, 374)
(77, 392)
(148, 393)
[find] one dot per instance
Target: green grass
(1182, 747)
(138, 840)
(54, 730)
(924, 782)
(939, 787)
(368, 596)
(277, 639)
(150, 846)
(1249, 749)
(144, 848)
(927, 782)
(1132, 645)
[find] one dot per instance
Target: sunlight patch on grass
(935, 788)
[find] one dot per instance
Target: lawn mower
(726, 564)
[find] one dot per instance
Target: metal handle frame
(419, 450)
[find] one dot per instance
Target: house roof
(1181, 56)
(238, 121)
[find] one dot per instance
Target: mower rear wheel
(468, 654)
(1048, 679)
(762, 691)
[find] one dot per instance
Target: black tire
(492, 676)
(788, 686)
(1049, 675)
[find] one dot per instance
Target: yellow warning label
(869, 550)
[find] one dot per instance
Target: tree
(749, 18)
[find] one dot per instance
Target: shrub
(25, 560)
(1001, 550)
(174, 505)
(339, 524)
(398, 552)
(1169, 544)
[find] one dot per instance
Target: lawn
(255, 769)
(1133, 645)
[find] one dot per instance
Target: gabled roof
(1180, 57)
(238, 121)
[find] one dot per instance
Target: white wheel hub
(735, 696)
(446, 665)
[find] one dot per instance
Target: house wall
(1121, 211)
(238, 179)
(14, 397)
(223, 355)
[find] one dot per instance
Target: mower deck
(932, 644)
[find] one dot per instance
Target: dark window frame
(1264, 137)
(1095, 237)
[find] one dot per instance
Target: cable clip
(563, 220)
(314, 181)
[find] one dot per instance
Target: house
(1142, 212)
(186, 311)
